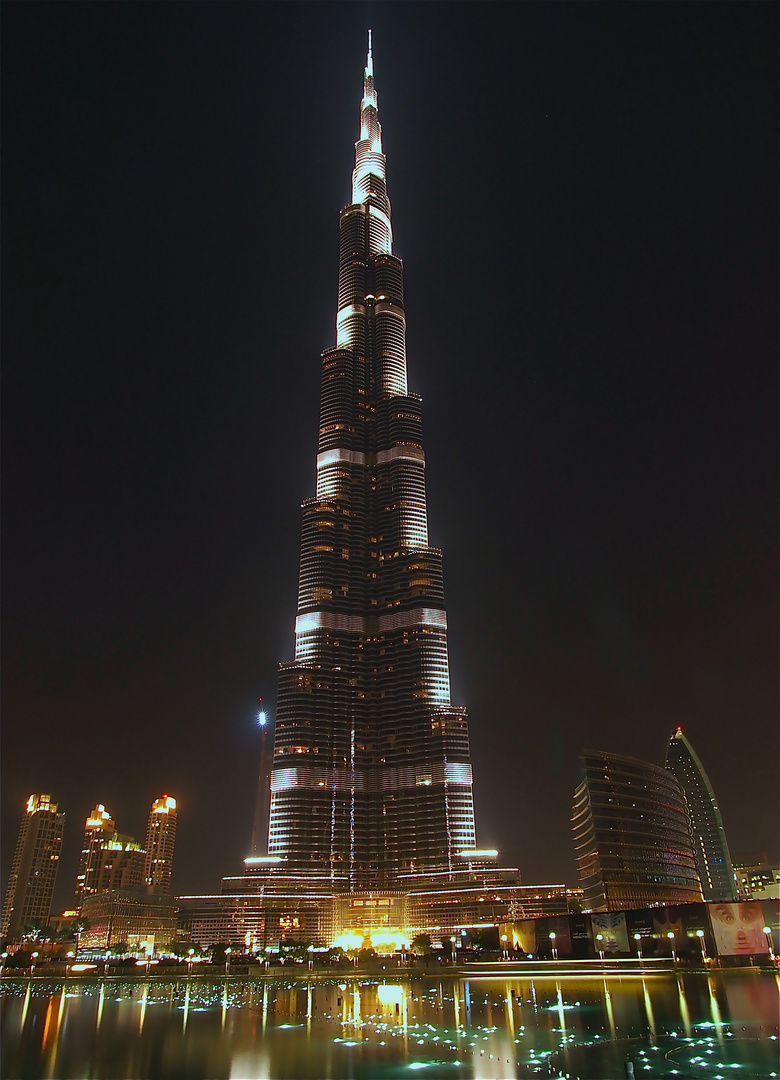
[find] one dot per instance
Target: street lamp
(554, 950)
(770, 943)
(504, 954)
(670, 935)
(190, 954)
(600, 946)
(310, 951)
(700, 936)
(638, 940)
(227, 960)
(32, 963)
(453, 939)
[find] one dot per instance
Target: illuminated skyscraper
(98, 828)
(371, 774)
(34, 868)
(709, 838)
(632, 839)
(160, 842)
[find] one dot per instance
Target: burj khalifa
(371, 777)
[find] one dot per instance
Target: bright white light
(261, 719)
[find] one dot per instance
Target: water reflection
(481, 1028)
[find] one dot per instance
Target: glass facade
(632, 839)
(371, 774)
(709, 839)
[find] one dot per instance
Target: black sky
(584, 197)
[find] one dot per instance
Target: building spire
(369, 59)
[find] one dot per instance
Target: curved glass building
(371, 775)
(709, 838)
(632, 839)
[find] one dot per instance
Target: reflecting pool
(723, 1024)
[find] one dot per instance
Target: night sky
(584, 197)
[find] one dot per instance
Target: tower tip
(369, 57)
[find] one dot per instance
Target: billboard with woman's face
(738, 929)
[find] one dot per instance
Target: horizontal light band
(357, 624)
(487, 853)
(330, 457)
(379, 779)
(401, 453)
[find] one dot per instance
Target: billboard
(738, 929)
(611, 925)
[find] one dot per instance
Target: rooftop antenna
(369, 58)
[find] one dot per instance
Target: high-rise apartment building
(632, 838)
(160, 842)
(371, 775)
(34, 868)
(98, 828)
(709, 838)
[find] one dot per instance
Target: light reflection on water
(694, 1025)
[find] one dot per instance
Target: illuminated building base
(261, 909)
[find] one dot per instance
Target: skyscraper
(98, 828)
(34, 868)
(709, 838)
(632, 839)
(160, 842)
(371, 774)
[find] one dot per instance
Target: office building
(34, 868)
(632, 837)
(709, 838)
(160, 842)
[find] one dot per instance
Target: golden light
(390, 994)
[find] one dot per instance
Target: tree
(421, 945)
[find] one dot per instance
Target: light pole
(638, 940)
(227, 960)
(504, 953)
(33, 958)
(190, 954)
(770, 943)
(702, 943)
(670, 935)
(453, 939)
(554, 950)
(310, 951)
(600, 946)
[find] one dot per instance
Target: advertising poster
(738, 929)
(525, 933)
(612, 927)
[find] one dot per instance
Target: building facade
(34, 868)
(98, 828)
(709, 838)
(371, 774)
(131, 917)
(160, 844)
(632, 837)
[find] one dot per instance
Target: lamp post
(190, 954)
(670, 935)
(33, 958)
(554, 950)
(227, 960)
(703, 944)
(638, 940)
(453, 939)
(504, 953)
(310, 951)
(600, 946)
(770, 944)
(3, 957)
